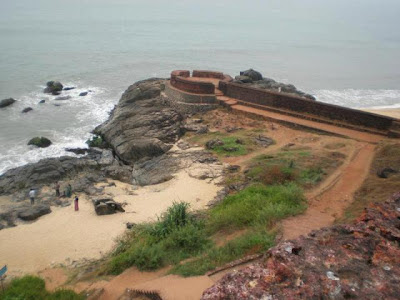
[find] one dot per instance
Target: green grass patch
(231, 147)
(256, 205)
(33, 288)
(249, 243)
(301, 167)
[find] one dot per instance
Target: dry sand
(65, 236)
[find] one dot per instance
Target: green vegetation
(256, 205)
(231, 147)
(237, 143)
(33, 288)
(302, 167)
(178, 235)
(249, 243)
(97, 141)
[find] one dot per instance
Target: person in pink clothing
(76, 203)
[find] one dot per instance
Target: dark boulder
(40, 142)
(263, 141)
(254, 75)
(212, 144)
(385, 172)
(78, 151)
(42, 101)
(68, 88)
(27, 109)
(33, 212)
(63, 98)
(107, 206)
(244, 79)
(83, 94)
(6, 102)
(53, 87)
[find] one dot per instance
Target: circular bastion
(196, 93)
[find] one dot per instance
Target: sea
(345, 52)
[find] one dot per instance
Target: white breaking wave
(360, 98)
(67, 123)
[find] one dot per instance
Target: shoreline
(389, 112)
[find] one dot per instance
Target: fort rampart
(181, 81)
(305, 107)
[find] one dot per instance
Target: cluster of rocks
(24, 212)
(358, 261)
(107, 206)
(255, 79)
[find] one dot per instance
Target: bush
(177, 235)
(25, 288)
(33, 288)
(97, 141)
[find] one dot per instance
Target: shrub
(97, 141)
(25, 288)
(176, 235)
(33, 288)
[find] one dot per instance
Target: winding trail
(329, 200)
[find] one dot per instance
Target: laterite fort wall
(300, 105)
(179, 81)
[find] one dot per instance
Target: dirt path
(330, 199)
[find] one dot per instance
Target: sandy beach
(394, 112)
(65, 236)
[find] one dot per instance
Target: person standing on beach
(57, 188)
(76, 203)
(32, 194)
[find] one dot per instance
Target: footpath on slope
(329, 200)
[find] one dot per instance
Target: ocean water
(344, 52)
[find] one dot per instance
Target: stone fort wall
(179, 80)
(288, 102)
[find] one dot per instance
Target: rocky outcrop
(357, 261)
(254, 79)
(25, 212)
(252, 74)
(33, 212)
(41, 142)
(7, 102)
(96, 164)
(53, 87)
(141, 125)
(198, 164)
